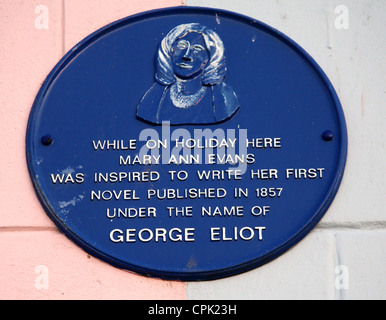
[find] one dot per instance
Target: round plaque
(186, 143)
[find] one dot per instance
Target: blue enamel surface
(93, 93)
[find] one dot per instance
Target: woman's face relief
(190, 56)
(189, 87)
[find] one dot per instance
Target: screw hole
(46, 140)
(327, 135)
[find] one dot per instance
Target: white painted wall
(344, 257)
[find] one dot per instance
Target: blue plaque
(186, 143)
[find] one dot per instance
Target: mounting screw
(327, 135)
(46, 140)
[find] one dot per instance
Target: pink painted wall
(37, 261)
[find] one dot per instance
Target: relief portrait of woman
(189, 83)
